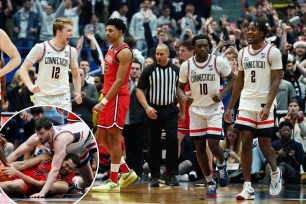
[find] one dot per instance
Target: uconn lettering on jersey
(56, 60)
(254, 64)
(203, 77)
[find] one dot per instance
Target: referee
(156, 92)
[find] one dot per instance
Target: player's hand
(37, 195)
(98, 107)
(9, 171)
(217, 98)
(34, 88)
(78, 98)
(151, 113)
(264, 114)
(189, 100)
(3, 141)
(228, 116)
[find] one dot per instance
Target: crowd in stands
(173, 23)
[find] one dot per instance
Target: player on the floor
(259, 75)
(203, 72)
(27, 177)
(71, 138)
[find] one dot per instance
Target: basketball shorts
(206, 122)
(250, 120)
(60, 101)
(183, 127)
(114, 112)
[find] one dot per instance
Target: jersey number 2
(55, 72)
(253, 76)
(203, 89)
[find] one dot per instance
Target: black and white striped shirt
(160, 83)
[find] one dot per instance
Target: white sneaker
(246, 194)
(276, 183)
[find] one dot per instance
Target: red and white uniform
(257, 66)
(115, 110)
(204, 81)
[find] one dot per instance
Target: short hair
(187, 44)
(59, 23)
(130, 41)
(261, 25)
(285, 123)
(86, 60)
(43, 123)
(101, 76)
(74, 158)
(135, 60)
(118, 23)
(36, 110)
(199, 37)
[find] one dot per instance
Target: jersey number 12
(55, 72)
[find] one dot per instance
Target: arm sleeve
(275, 58)
(184, 73)
(74, 58)
(223, 66)
(240, 67)
(36, 53)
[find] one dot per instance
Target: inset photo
(45, 156)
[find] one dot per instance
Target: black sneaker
(154, 182)
(200, 183)
(172, 181)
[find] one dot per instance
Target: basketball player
(55, 58)
(203, 72)
(259, 75)
(114, 105)
(10, 50)
(29, 176)
(72, 138)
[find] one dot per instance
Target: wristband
(104, 101)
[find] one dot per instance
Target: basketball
(4, 177)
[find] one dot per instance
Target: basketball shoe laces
(222, 173)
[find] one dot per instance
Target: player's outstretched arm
(9, 48)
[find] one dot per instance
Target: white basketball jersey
(80, 132)
(53, 77)
(204, 81)
(257, 66)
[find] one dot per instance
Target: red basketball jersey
(111, 68)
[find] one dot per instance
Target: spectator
(85, 64)
(136, 26)
(98, 29)
(89, 99)
(121, 12)
(46, 18)
(165, 19)
(134, 127)
(73, 13)
(25, 27)
(289, 155)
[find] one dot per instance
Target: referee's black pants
(167, 119)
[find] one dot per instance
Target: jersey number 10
(203, 89)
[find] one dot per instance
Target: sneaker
(200, 183)
(246, 194)
(127, 178)
(171, 181)
(211, 190)
(276, 183)
(154, 182)
(223, 175)
(107, 187)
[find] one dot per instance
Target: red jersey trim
(44, 52)
(257, 51)
(55, 48)
(201, 67)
